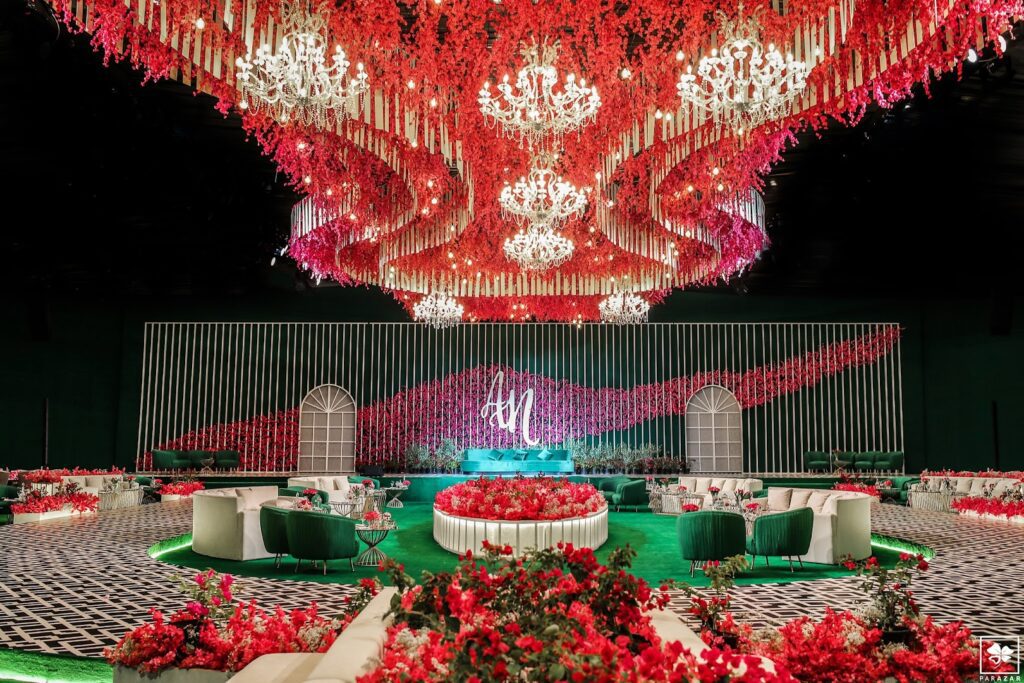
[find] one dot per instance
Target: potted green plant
(890, 606)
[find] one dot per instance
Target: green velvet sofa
(511, 460)
(900, 489)
(624, 493)
(193, 460)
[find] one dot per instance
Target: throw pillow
(799, 499)
(778, 499)
(818, 499)
(521, 454)
(495, 455)
(544, 454)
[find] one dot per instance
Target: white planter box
(124, 675)
(26, 517)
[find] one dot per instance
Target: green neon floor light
(169, 545)
(32, 667)
(900, 545)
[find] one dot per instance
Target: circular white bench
(459, 534)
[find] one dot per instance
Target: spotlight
(972, 56)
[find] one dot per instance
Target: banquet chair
(710, 535)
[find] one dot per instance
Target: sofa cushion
(729, 484)
(816, 501)
(495, 454)
(544, 454)
(778, 499)
(80, 481)
(799, 498)
(95, 481)
(521, 454)
(689, 483)
(702, 484)
(963, 484)
(976, 486)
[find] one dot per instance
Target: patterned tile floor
(75, 586)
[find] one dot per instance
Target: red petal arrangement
(402, 194)
(519, 498)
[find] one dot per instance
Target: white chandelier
(296, 82)
(743, 85)
(541, 199)
(439, 310)
(538, 247)
(624, 308)
(532, 110)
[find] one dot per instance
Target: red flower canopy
(403, 194)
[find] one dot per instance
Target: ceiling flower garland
(402, 194)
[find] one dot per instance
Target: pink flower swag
(520, 498)
(449, 408)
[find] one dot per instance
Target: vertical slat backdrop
(210, 379)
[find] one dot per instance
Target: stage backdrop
(743, 396)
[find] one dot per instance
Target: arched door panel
(327, 431)
(714, 433)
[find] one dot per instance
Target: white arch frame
(327, 431)
(714, 431)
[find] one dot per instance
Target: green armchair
(817, 461)
(785, 534)
(171, 460)
(609, 485)
(631, 495)
(709, 535)
(900, 489)
(319, 536)
(274, 529)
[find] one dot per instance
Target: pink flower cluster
(520, 498)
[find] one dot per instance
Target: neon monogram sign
(506, 413)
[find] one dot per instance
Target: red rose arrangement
(368, 483)
(64, 497)
(989, 506)
(713, 490)
(181, 488)
(520, 498)
(869, 489)
(372, 517)
(753, 507)
(690, 507)
(551, 615)
(212, 631)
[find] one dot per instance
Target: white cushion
(341, 484)
(690, 483)
(799, 498)
(976, 486)
(95, 481)
(816, 501)
(778, 498)
(702, 485)
(718, 483)
(729, 484)
(963, 484)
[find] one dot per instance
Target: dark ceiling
(110, 188)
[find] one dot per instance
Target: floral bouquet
(690, 507)
(368, 484)
(890, 603)
(372, 518)
(212, 631)
(520, 498)
(181, 488)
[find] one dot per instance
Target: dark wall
(81, 358)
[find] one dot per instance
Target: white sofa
(91, 483)
(842, 521)
(226, 522)
(702, 485)
(966, 486)
(336, 487)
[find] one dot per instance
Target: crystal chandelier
(541, 199)
(742, 84)
(624, 308)
(296, 82)
(439, 310)
(538, 247)
(531, 110)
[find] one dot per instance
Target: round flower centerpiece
(521, 512)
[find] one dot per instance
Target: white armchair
(226, 522)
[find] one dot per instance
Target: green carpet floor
(653, 536)
(32, 667)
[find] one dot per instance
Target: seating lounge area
(512, 341)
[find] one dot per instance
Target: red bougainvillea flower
(520, 498)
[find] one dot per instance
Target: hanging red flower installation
(403, 180)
